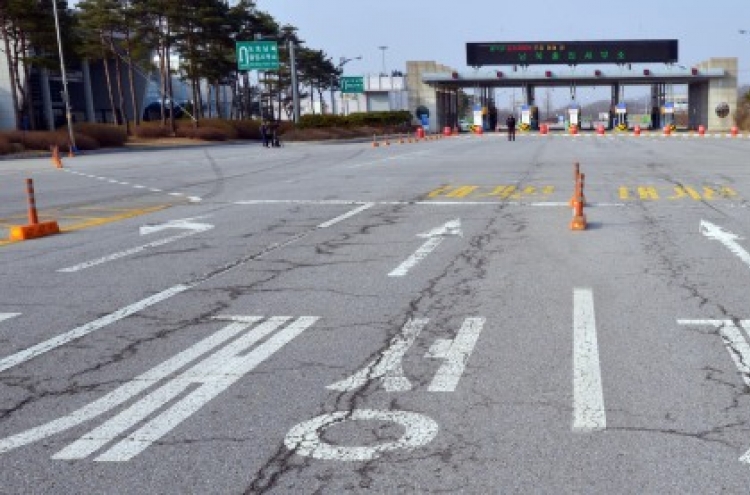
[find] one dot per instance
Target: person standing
(511, 123)
(264, 132)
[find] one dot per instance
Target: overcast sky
(438, 29)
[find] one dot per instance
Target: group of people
(269, 134)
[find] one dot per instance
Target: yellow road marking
(90, 221)
(101, 221)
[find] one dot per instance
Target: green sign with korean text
(352, 84)
(257, 55)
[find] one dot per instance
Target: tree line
(136, 37)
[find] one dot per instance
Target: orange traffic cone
(579, 219)
(56, 161)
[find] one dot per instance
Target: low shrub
(150, 131)
(107, 135)
(6, 147)
(203, 133)
(247, 129)
(226, 126)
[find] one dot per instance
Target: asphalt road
(412, 318)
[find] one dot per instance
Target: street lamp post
(66, 96)
(342, 62)
(383, 49)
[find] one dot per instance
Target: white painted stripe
(543, 204)
(456, 354)
(117, 426)
(195, 199)
(175, 194)
(420, 254)
(387, 366)
(127, 252)
(131, 389)
(351, 213)
(8, 316)
(216, 374)
(588, 397)
(98, 324)
(155, 190)
(735, 343)
(729, 240)
(139, 187)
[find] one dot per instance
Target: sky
(439, 29)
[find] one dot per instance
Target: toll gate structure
(712, 84)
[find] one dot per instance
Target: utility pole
(295, 88)
(66, 96)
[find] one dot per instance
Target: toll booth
(574, 115)
(668, 114)
(621, 117)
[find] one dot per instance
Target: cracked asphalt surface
(280, 244)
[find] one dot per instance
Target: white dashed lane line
(193, 199)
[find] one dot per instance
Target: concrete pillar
(421, 94)
(722, 90)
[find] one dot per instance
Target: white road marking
(736, 345)
(434, 238)
(346, 215)
(131, 389)
(588, 398)
(8, 316)
(193, 228)
(215, 374)
(77, 333)
(387, 366)
(543, 204)
(456, 353)
(182, 223)
(388, 159)
(304, 438)
(725, 237)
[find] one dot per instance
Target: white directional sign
(184, 224)
(737, 346)
(190, 226)
(174, 401)
(725, 237)
(434, 238)
(305, 439)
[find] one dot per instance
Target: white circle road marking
(304, 439)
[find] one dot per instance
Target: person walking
(511, 123)
(264, 133)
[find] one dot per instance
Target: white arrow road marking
(456, 353)
(304, 439)
(214, 374)
(192, 229)
(387, 366)
(737, 347)
(588, 398)
(184, 223)
(77, 333)
(727, 238)
(8, 316)
(434, 238)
